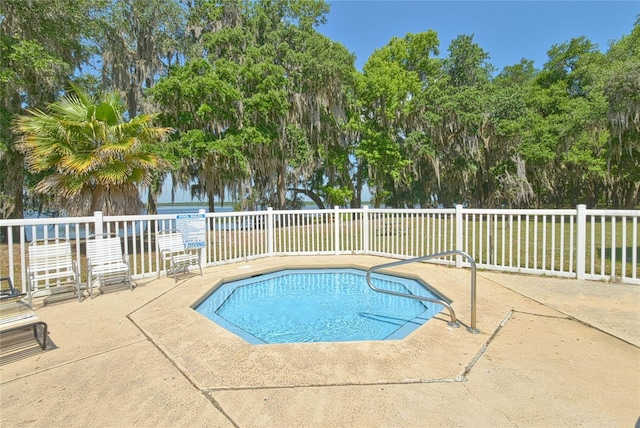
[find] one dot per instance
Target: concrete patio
(551, 352)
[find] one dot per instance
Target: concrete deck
(551, 352)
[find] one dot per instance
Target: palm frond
(100, 161)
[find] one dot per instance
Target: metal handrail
(454, 322)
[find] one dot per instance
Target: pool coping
(201, 345)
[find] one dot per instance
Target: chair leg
(43, 342)
(44, 336)
(164, 267)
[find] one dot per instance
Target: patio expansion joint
(328, 385)
(559, 310)
(184, 374)
(579, 321)
(150, 339)
(463, 376)
(26, 375)
(164, 354)
(458, 379)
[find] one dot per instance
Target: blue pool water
(318, 305)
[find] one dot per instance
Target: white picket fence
(575, 243)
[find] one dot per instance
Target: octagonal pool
(318, 305)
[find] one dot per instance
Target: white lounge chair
(106, 262)
(15, 314)
(51, 268)
(173, 251)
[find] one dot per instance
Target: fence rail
(577, 243)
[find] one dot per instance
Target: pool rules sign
(193, 229)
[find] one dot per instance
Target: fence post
(203, 254)
(459, 229)
(365, 228)
(270, 232)
(336, 229)
(98, 222)
(581, 243)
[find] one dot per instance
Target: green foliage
(92, 158)
(265, 109)
(42, 43)
(337, 196)
(467, 64)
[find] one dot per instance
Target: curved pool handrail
(454, 321)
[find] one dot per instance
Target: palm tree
(91, 158)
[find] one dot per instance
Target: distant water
(177, 209)
(162, 209)
(190, 209)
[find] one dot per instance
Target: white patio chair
(174, 252)
(106, 262)
(51, 268)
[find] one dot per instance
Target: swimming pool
(318, 305)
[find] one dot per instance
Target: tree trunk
(281, 185)
(632, 196)
(152, 202)
(211, 200)
(14, 186)
(311, 194)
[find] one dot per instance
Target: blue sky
(507, 30)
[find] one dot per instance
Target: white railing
(574, 243)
